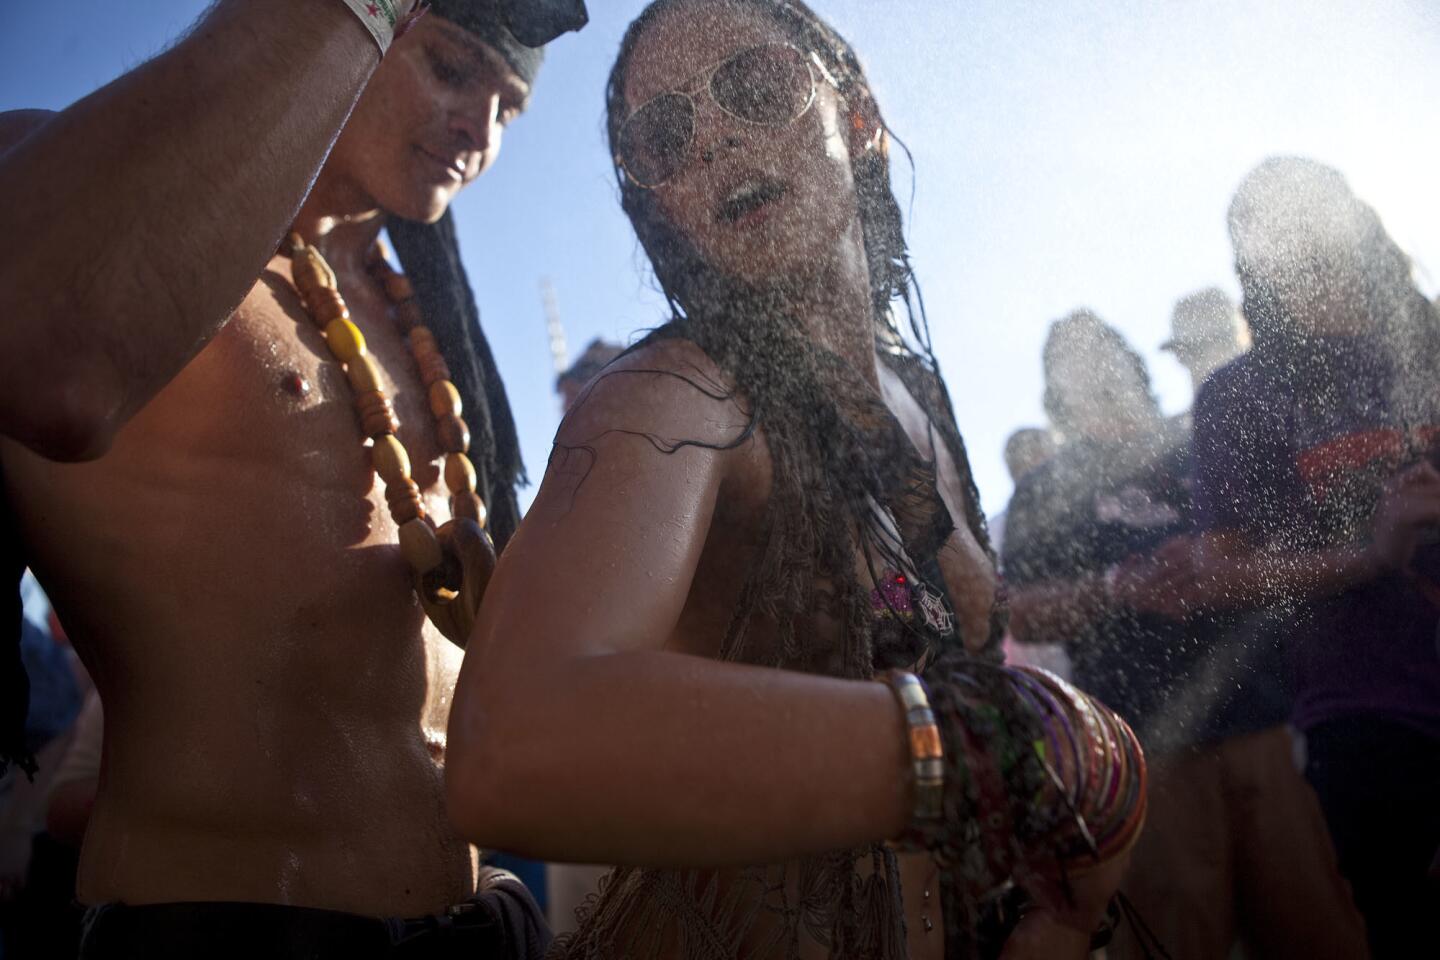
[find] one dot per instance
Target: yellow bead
(390, 459)
(444, 399)
(364, 375)
(419, 546)
(459, 473)
(344, 339)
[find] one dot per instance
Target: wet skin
(275, 702)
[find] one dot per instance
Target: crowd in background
(1253, 584)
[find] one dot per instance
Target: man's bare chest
(285, 399)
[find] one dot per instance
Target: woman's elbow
(480, 781)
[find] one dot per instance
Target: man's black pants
(501, 923)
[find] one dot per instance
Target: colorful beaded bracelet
(927, 759)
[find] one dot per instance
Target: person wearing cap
(187, 466)
(1206, 332)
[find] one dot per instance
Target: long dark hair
(798, 392)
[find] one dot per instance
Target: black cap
(516, 29)
(486, 20)
(537, 22)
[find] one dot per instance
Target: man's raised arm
(137, 219)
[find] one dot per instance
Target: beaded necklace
(427, 551)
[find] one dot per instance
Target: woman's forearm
(660, 759)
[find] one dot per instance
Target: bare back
(275, 702)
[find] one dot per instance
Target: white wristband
(379, 17)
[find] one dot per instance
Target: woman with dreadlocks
(756, 514)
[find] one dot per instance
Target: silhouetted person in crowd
(1206, 332)
(1099, 558)
(583, 370)
(1316, 484)
(1027, 449)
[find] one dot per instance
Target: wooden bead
(344, 339)
(422, 340)
(311, 272)
(327, 306)
(397, 287)
(444, 399)
(459, 473)
(404, 501)
(408, 316)
(391, 461)
(433, 369)
(454, 435)
(364, 375)
(377, 416)
(419, 546)
(422, 348)
(467, 505)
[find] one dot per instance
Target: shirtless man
(184, 464)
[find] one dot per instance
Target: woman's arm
(580, 732)
(138, 218)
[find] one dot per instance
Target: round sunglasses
(771, 84)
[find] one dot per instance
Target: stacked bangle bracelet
(927, 759)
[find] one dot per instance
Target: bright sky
(1067, 153)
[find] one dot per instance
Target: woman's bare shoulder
(668, 391)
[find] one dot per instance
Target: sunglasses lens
(653, 141)
(766, 84)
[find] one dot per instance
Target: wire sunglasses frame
(704, 80)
